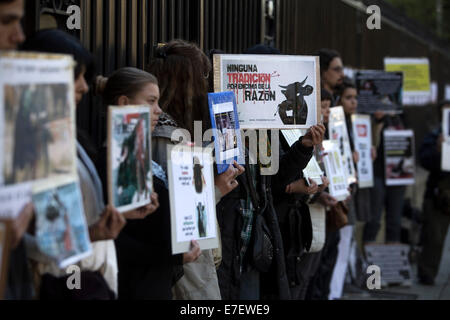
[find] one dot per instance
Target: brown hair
(123, 82)
(182, 70)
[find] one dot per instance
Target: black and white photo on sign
(337, 127)
(37, 114)
(362, 133)
(272, 91)
(225, 125)
(399, 157)
(335, 170)
(446, 143)
(192, 204)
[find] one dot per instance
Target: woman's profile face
(349, 100)
(149, 95)
(81, 87)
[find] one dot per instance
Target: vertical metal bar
(202, 24)
(121, 33)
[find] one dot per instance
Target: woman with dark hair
(99, 271)
(182, 70)
(146, 264)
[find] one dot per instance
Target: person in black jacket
(436, 202)
(144, 252)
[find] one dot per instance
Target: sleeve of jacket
(292, 163)
(430, 157)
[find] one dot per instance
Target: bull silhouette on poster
(294, 110)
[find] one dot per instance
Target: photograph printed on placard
(129, 159)
(61, 229)
(37, 130)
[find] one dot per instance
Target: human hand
(327, 200)
(20, 225)
(325, 184)
(145, 211)
(226, 182)
(300, 186)
(193, 254)
(314, 136)
(109, 226)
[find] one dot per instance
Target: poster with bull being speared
(129, 157)
(272, 91)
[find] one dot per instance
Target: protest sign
(4, 255)
(37, 117)
(362, 133)
(338, 131)
(312, 170)
(226, 130)
(61, 228)
(272, 91)
(399, 157)
(379, 91)
(192, 199)
(335, 170)
(129, 157)
(416, 78)
(13, 199)
(446, 142)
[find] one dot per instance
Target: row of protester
(248, 192)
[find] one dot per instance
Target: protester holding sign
(105, 224)
(436, 206)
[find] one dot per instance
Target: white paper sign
(335, 170)
(192, 204)
(13, 199)
(446, 143)
(338, 131)
(447, 92)
(362, 133)
(272, 91)
(399, 157)
(318, 216)
(434, 92)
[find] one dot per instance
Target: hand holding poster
(312, 170)
(379, 91)
(399, 157)
(227, 133)
(192, 204)
(129, 157)
(62, 232)
(272, 91)
(446, 143)
(338, 131)
(416, 78)
(335, 170)
(362, 132)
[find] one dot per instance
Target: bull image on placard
(294, 110)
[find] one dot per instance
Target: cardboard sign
(129, 157)
(338, 131)
(192, 204)
(272, 91)
(37, 118)
(416, 78)
(335, 170)
(362, 133)
(226, 130)
(399, 157)
(379, 91)
(446, 143)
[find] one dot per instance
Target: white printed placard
(362, 133)
(335, 170)
(13, 200)
(192, 199)
(338, 131)
(272, 91)
(399, 157)
(446, 142)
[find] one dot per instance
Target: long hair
(182, 70)
(123, 82)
